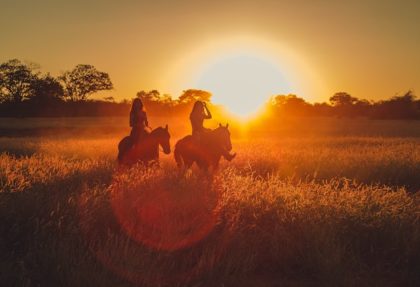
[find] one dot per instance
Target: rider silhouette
(138, 121)
(199, 113)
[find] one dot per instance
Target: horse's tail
(178, 157)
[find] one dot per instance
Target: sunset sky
(370, 49)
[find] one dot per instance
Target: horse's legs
(187, 163)
(119, 156)
(202, 165)
(216, 163)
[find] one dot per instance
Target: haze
(366, 48)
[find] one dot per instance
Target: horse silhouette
(205, 152)
(146, 150)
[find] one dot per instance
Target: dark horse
(207, 153)
(146, 150)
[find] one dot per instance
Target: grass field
(323, 202)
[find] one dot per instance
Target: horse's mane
(214, 137)
(158, 131)
(218, 130)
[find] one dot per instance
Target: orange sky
(367, 48)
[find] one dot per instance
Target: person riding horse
(199, 113)
(142, 145)
(138, 122)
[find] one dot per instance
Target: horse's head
(163, 136)
(223, 137)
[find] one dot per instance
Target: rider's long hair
(136, 108)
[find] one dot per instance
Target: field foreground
(294, 211)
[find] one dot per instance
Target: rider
(138, 121)
(199, 113)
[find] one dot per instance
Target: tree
(347, 106)
(290, 104)
(16, 81)
(46, 89)
(155, 97)
(287, 100)
(151, 96)
(398, 107)
(408, 98)
(83, 81)
(192, 95)
(342, 99)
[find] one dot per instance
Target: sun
(243, 71)
(242, 82)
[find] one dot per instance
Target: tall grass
(335, 211)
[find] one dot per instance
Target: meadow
(307, 203)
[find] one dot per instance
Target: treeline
(25, 92)
(342, 104)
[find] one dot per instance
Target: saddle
(204, 140)
(139, 137)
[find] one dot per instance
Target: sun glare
(243, 72)
(242, 82)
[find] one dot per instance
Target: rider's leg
(134, 135)
(226, 154)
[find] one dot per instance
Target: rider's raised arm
(207, 113)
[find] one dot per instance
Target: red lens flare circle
(143, 227)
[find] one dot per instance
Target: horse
(146, 150)
(207, 152)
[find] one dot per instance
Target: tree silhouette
(151, 96)
(46, 89)
(25, 92)
(290, 104)
(83, 81)
(192, 95)
(398, 107)
(346, 105)
(16, 81)
(342, 99)
(154, 97)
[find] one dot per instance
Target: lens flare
(152, 218)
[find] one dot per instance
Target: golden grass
(333, 210)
